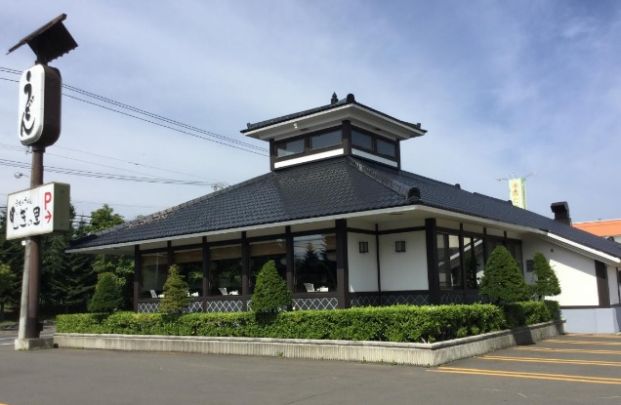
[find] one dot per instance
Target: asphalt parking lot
(574, 369)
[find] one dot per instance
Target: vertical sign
(38, 211)
(517, 192)
(39, 106)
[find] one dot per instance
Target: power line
(108, 176)
(209, 135)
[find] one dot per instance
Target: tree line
(67, 280)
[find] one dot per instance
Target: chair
(153, 293)
(223, 291)
(310, 287)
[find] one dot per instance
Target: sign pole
(33, 253)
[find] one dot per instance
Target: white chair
(223, 291)
(234, 292)
(194, 294)
(153, 293)
(310, 287)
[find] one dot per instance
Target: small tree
(502, 280)
(8, 287)
(271, 294)
(107, 297)
(176, 293)
(547, 284)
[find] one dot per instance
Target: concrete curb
(418, 354)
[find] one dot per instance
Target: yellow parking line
(553, 361)
(583, 342)
(555, 350)
(529, 375)
(617, 337)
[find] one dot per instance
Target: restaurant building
(347, 227)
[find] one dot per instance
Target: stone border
(418, 354)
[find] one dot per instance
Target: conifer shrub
(107, 297)
(176, 293)
(502, 281)
(547, 284)
(271, 294)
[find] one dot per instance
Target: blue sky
(504, 88)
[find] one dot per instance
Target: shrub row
(395, 323)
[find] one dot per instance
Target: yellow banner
(517, 192)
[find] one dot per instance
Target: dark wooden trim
(373, 150)
(485, 236)
(137, 276)
(272, 154)
(307, 145)
(603, 291)
(618, 289)
(432, 260)
(378, 262)
(403, 230)
(313, 232)
(347, 137)
(461, 257)
(170, 253)
(334, 294)
(342, 283)
(290, 258)
(245, 259)
(206, 260)
(362, 231)
(585, 306)
(398, 149)
(505, 240)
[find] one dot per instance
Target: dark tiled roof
(330, 187)
(350, 99)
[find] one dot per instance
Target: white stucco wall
(362, 266)
(613, 285)
(407, 270)
(575, 272)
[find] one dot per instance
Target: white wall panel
(407, 270)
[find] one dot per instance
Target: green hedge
(396, 323)
(531, 312)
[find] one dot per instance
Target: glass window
(288, 148)
(190, 263)
(449, 262)
(361, 140)
(154, 273)
(225, 270)
(515, 248)
(387, 148)
(326, 140)
(474, 261)
(262, 252)
(315, 263)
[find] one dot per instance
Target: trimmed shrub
(396, 323)
(502, 280)
(176, 293)
(271, 294)
(531, 312)
(547, 284)
(107, 297)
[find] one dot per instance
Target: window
(474, 261)
(190, 263)
(315, 263)
(400, 246)
(326, 140)
(225, 270)
(386, 148)
(288, 148)
(262, 252)
(154, 273)
(363, 247)
(361, 140)
(449, 261)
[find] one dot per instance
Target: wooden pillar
(170, 254)
(377, 260)
(245, 253)
(290, 258)
(485, 254)
(137, 276)
(347, 137)
(206, 258)
(342, 276)
(432, 260)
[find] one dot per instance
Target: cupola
(343, 127)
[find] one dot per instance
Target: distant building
(610, 228)
(347, 227)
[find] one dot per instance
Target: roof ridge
(400, 188)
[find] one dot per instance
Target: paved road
(568, 370)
